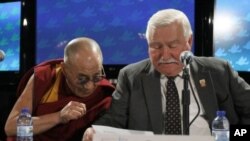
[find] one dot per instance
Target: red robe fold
(96, 103)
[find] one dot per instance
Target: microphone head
(2, 55)
(186, 57)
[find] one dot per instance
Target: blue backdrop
(10, 15)
(232, 32)
(117, 25)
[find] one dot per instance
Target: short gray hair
(166, 17)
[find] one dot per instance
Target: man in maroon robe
(65, 96)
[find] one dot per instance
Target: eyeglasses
(84, 79)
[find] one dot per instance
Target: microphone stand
(185, 101)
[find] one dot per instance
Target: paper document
(106, 133)
(99, 129)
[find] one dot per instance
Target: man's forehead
(87, 67)
(89, 72)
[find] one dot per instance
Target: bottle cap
(25, 110)
(221, 113)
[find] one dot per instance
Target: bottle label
(24, 131)
(221, 135)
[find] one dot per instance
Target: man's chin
(169, 70)
(168, 67)
(84, 94)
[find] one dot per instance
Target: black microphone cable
(196, 100)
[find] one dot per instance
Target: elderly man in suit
(139, 101)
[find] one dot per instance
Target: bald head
(82, 60)
(82, 48)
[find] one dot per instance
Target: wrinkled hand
(73, 110)
(88, 134)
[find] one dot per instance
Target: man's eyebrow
(82, 74)
(154, 43)
(85, 75)
(174, 41)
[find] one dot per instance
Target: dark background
(203, 41)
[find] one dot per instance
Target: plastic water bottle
(24, 126)
(220, 127)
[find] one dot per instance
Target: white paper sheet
(111, 130)
(106, 133)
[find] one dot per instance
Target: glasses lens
(97, 78)
(83, 80)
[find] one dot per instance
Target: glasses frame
(92, 79)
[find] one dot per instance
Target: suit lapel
(152, 91)
(205, 90)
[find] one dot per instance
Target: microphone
(186, 57)
(2, 55)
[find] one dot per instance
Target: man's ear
(63, 67)
(190, 42)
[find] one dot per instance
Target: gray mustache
(168, 61)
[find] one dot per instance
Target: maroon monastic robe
(96, 103)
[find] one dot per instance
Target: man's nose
(90, 85)
(165, 51)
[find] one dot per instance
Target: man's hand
(73, 110)
(88, 134)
